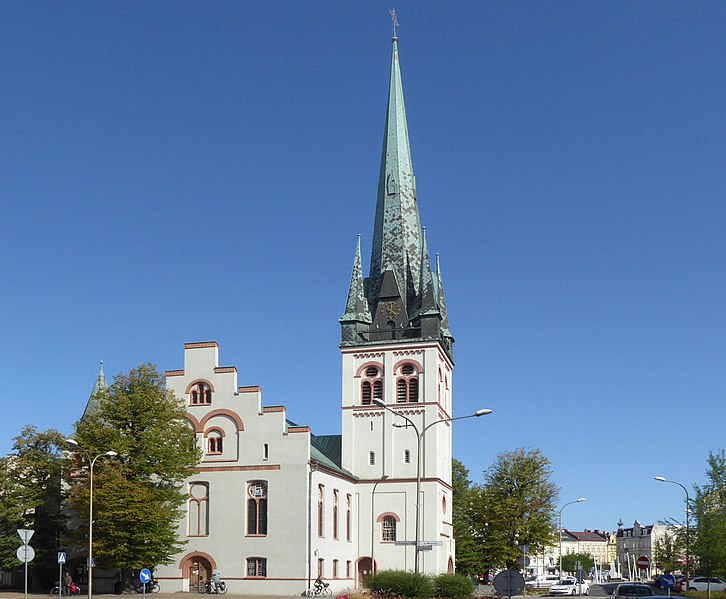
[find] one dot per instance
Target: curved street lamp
(559, 527)
(419, 437)
(373, 522)
(91, 462)
(662, 479)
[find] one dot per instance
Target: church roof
(98, 386)
(401, 300)
(326, 449)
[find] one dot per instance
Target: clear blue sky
(184, 171)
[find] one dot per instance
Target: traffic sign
(425, 547)
(643, 562)
(25, 553)
(509, 582)
(25, 535)
(61, 557)
(667, 581)
(524, 561)
(145, 575)
(405, 542)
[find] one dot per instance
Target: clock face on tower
(390, 310)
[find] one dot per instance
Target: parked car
(542, 581)
(701, 583)
(570, 586)
(632, 589)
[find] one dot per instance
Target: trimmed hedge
(410, 585)
(453, 585)
(398, 582)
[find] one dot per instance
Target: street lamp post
(373, 522)
(662, 479)
(559, 527)
(91, 463)
(419, 437)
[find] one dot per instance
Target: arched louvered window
(365, 393)
(371, 386)
(407, 384)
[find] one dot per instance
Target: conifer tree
(138, 495)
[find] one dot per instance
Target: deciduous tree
(709, 537)
(516, 507)
(469, 556)
(30, 498)
(138, 496)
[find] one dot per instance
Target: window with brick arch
(214, 443)
(198, 509)
(257, 508)
(348, 517)
(321, 510)
(335, 513)
(372, 386)
(407, 384)
(389, 528)
(257, 567)
(200, 394)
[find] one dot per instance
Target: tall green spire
(397, 231)
(98, 386)
(356, 307)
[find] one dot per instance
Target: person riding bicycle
(319, 584)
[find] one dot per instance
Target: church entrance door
(200, 571)
(365, 569)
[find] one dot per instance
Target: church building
(272, 505)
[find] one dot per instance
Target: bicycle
(151, 587)
(57, 589)
(219, 588)
(319, 591)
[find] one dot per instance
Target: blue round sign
(145, 575)
(667, 581)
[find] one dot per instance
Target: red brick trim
(174, 373)
(194, 382)
(186, 562)
(223, 369)
(201, 344)
(249, 389)
(229, 413)
(235, 468)
(270, 409)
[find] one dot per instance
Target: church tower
(397, 349)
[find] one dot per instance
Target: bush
(406, 584)
(453, 585)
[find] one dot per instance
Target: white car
(570, 586)
(700, 583)
(542, 581)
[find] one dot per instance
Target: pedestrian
(67, 582)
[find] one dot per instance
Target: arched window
(321, 510)
(407, 384)
(198, 509)
(214, 443)
(371, 386)
(335, 513)
(348, 518)
(389, 528)
(200, 394)
(257, 508)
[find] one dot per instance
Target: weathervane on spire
(394, 18)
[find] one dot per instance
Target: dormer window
(200, 394)
(372, 386)
(407, 384)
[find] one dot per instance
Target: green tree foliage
(398, 582)
(585, 559)
(669, 549)
(516, 506)
(453, 585)
(138, 497)
(30, 498)
(708, 541)
(469, 556)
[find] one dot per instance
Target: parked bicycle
(321, 590)
(218, 588)
(151, 587)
